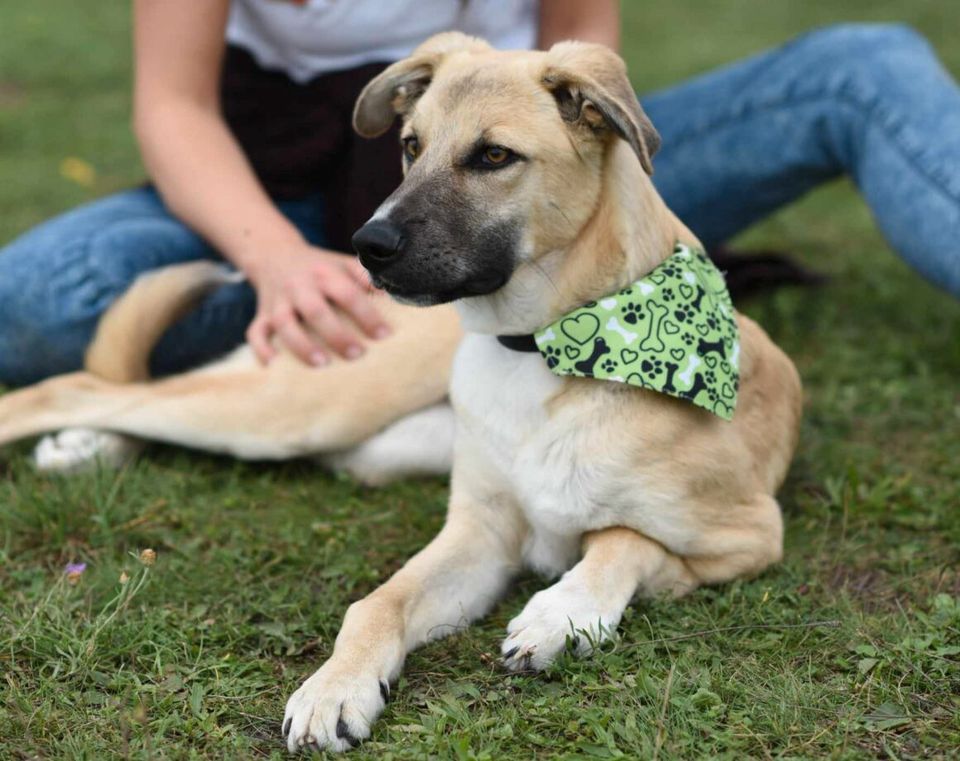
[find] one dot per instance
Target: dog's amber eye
(411, 148)
(495, 155)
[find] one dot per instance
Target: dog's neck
(630, 232)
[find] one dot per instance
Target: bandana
(672, 331)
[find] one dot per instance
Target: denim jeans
(870, 101)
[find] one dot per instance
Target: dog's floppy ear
(396, 89)
(590, 85)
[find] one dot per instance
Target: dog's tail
(128, 330)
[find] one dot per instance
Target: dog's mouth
(480, 285)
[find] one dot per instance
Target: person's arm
(206, 181)
(584, 20)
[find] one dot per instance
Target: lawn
(849, 649)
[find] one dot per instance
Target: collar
(672, 331)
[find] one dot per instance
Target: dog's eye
(411, 148)
(496, 154)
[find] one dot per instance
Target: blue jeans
(871, 101)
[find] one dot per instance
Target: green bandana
(672, 331)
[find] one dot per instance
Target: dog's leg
(587, 603)
(420, 444)
(236, 407)
(455, 579)
(79, 449)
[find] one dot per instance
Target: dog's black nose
(378, 243)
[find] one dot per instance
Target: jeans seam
(870, 108)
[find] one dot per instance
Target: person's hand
(297, 288)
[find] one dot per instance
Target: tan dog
(527, 191)
(379, 418)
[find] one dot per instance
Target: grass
(849, 649)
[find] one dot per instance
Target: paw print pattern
(687, 338)
(608, 365)
(667, 294)
(652, 367)
(712, 322)
(632, 313)
(553, 356)
(683, 314)
(710, 377)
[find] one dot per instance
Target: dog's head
(503, 157)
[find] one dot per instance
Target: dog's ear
(398, 87)
(590, 85)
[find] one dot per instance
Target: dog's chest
(500, 397)
(543, 457)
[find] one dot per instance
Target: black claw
(343, 732)
(384, 691)
(286, 726)
(510, 653)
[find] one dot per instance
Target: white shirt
(305, 38)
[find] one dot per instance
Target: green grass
(849, 649)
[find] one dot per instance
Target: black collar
(519, 343)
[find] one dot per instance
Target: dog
(527, 194)
(380, 418)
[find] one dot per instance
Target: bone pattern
(628, 336)
(706, 347)
(652, 342)
(699, 384)
(668, 386)
(700, 294)
(693, 362)
(600, 348)
(547, 335)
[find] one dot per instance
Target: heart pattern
(672, 331)
(581, 328)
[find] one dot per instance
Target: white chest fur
(559, 463)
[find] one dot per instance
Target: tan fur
(132, 326)
(234, 405)
(627, 491)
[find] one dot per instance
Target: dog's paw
(334, 709)
(566, 613)
(77, 449)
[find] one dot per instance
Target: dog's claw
(286, 726)
(343, 732)
(384, 691)
(510, 653)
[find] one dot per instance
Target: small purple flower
(74, 571)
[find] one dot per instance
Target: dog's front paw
(334, 709)
(564, 613)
